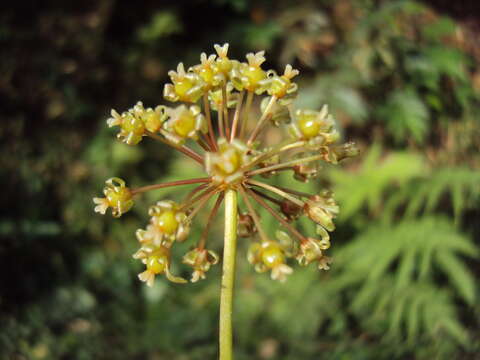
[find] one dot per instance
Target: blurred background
(403, 81)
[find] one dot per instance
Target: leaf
(376, 176)
(162, 24)
(458, 274)
(405, 116)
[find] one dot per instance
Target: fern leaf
(458, 275)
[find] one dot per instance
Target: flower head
(235, 161)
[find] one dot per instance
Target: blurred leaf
(162, 24)
(261, 37)
(373, 178)
(405, 115)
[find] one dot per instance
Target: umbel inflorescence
(214, 126)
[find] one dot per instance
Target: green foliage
(406, 116)
(400, 298)
(162, 24)
(425, 194)
(374, 177)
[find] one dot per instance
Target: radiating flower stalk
(215, 128)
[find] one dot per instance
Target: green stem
(228, 277)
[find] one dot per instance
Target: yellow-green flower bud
(317, 128)
(269, 255)
(132, 128)
(246, 226)
(223, 64)
(312, 250)
(157, 261)
(118, 197)
(201, 260)
(188, 87)
(322, 209)
(250, 76)
(225, 165)
(185, 122)
(167, 224)
(282, 86)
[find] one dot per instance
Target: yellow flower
(201, 260)
(187, 86)
(315, 127)
(118, 197)
(157, 261)
(269, 255)
(167, 224)
(184, 123)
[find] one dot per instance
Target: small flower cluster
(211, 128)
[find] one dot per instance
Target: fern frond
(460, 183)
(375, 176)
(413, 246)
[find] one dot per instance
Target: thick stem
(228, 277)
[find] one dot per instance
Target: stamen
(211, 217)
(184, 149)
(236, 115)
(277, 191)
(169, 184)
(266, 115)
(284, 222)
(253, 214)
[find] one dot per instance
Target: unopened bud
(344, 151)
(290, 210)
(246, 225)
